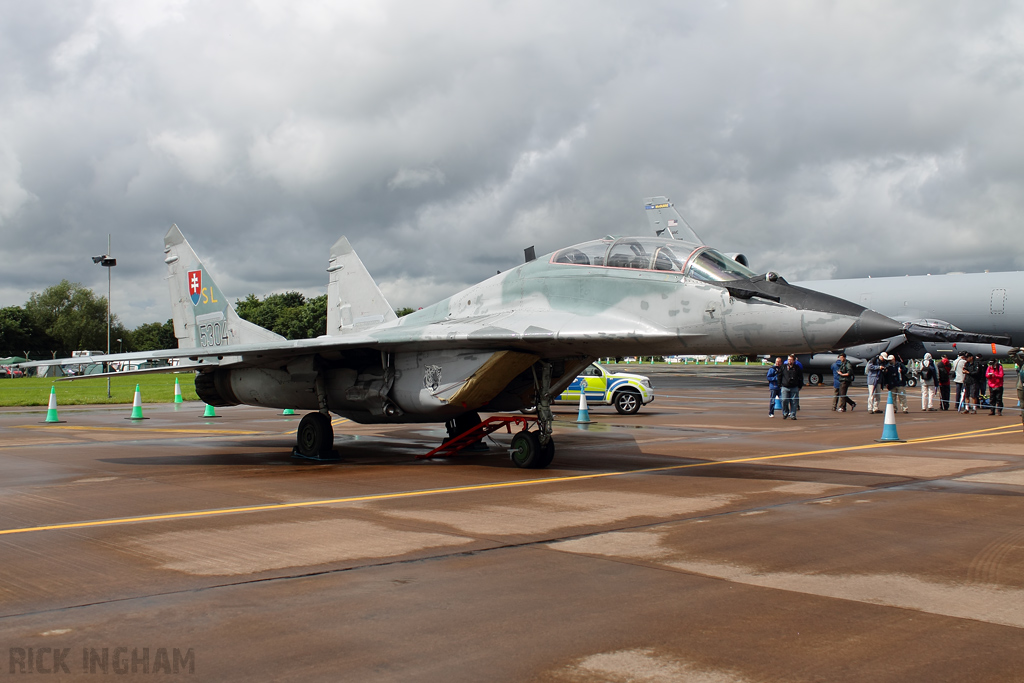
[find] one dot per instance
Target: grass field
(155, 388)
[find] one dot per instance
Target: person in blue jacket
(774, 385)
(835, 383)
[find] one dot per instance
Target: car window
(592, 371)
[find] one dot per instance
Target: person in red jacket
(994, 373)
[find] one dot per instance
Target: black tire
(911, 382)
(547, 454)
(814, 378)
(315, 435)
(627, 401)
(527, 452)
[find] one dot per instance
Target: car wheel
(627, 401)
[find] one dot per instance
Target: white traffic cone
(51, 408)
(137, 406)
(889, 428)
(584, 417)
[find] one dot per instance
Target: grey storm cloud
(821, 139)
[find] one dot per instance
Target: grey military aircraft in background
(988, 305)
(981, 313)
(511, 342)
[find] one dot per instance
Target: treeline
(69, 317)
(290, 315)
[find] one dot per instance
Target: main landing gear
(315, 438)
(535, 450)
(528, 452)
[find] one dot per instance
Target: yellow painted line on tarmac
(134, 430)
(994, 431)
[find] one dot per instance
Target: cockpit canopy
(651, 253)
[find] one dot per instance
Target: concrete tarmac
(698, 540)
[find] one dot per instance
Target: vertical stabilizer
(202, 315)
(666, 221)
(354, 302)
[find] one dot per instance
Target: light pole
(107, 262)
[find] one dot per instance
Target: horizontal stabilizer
(354, 302)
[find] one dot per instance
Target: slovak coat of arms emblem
(195, 286)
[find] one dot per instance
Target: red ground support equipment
(471, 436)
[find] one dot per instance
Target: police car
(624, 391)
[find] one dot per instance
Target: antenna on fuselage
(530, 253)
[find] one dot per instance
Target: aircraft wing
(544, 333)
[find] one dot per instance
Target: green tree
(288, 314)
(402, 312)
(20, 335)
(153, 337)
(72, 315)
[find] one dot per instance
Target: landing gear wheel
(814, 378)
(529, 454)
(911, 382)
(627, 402)
(315, 437)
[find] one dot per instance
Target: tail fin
(203, 317)
(666, 221)
(354, 302)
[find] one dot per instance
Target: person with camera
(958, 381)
(844, 374)
(994, 375)
(929, 376)
(974, 379)
(896, 374)
(791, 378)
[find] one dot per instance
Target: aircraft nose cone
(870, 326)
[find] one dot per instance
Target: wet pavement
(697, 540)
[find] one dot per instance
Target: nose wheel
(314, 439)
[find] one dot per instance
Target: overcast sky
(821, 139)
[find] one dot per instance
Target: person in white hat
(929, 376)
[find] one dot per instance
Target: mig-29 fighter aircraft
(511, 342)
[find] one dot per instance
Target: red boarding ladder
(471, 436)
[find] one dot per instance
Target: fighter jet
(513, 341)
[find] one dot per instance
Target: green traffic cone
(51, 409)
(137, 405)
(210, 412)
(177, 391)
(288, 411)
